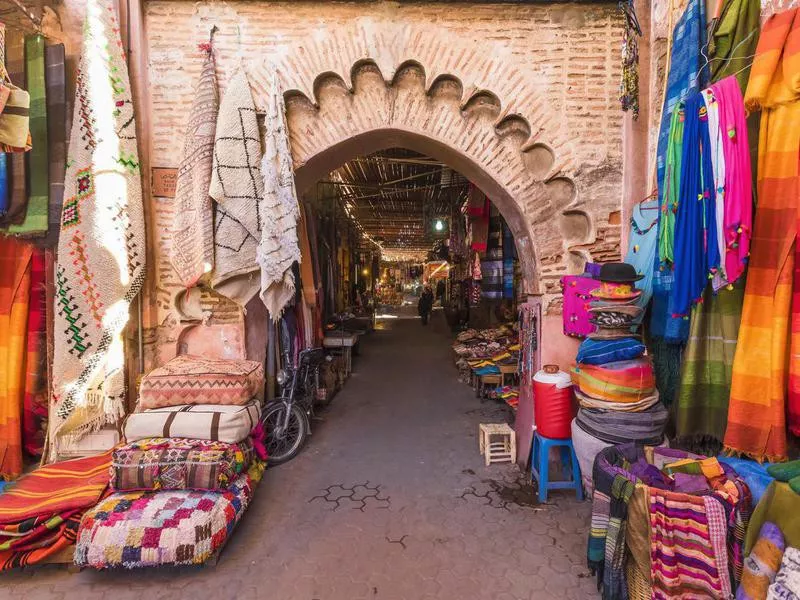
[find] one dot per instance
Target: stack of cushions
(186, 473)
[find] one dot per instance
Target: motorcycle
(287, 420)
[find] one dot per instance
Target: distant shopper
(425, 304)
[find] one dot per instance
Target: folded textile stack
(613, 380)
(483, 352)
(40, 512)
(186, 474)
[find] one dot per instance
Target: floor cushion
(222, 423)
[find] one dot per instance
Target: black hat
(618, 273)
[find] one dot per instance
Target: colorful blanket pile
(40, 512)
(787, 581)
(178, 464)
(166, 528)
(101, 248)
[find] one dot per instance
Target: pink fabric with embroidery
(577, 297)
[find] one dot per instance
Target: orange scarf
(756, 419)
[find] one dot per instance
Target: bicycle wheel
(283, 444)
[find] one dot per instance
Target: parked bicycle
(287, 419)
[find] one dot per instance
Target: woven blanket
(617, 427)
(787, 582)
(587, 401)
(35, 222)
(55, 489)
(15, 287)
(756, 414)
(688, 557)
(178, 464)
(237, 186)
(620, 381)
(192, 227)
(702, 404)
(188, 379)
(278, 247)
(34, 404)
(55, 78)
(101, 252)
(42, 537)
(167, 528)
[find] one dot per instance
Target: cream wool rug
(237, 186)
(279, 247)
(100, 265)
(192, 228)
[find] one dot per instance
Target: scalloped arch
(470, 130)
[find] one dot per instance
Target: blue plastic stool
(540, 466)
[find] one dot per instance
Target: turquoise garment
(642, 242)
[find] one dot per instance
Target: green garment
(780, 505)
(672, 178)
(734, 40)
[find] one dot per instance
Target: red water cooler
(553, 406)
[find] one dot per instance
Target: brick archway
(469, 131)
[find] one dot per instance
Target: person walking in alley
(425, 304)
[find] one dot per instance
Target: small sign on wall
(164, 181)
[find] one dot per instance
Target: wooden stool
(509, 370)
(504, 450)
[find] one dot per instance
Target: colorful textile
(192, 226)
(672, 192)
(166, 528)
(55, 534)
(15, 288)
(188, 379)
(237, 186)
(642, 242)
(621, 381)
(734, 40)
(278, 246)
(785, 471)
(756, 416)
(617, 427)
(696, 250)
(753, 473)
(18, 197)
(738, 196)
(55, 489)
(629, 82)
(762, 563)
(787, 581)
(101, 249)
(3, 185)
(600, 352)
(702, 403)
(687, 546)
(55, 80)
(34, 404)
(178, 464)
(35, 222)
(587, 401)
(780, 505)
(717, 188)
(577, 298)
(224, 423)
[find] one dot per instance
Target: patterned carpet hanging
(101, 253)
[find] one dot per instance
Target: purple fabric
(577, 289)
(593, 269)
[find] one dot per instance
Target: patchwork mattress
(163, 528)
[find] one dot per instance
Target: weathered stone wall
(521, 98)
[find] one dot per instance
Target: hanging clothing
(642, 246)
(756, 416)
(734, 40)
(192, 227)
(36, 214)
(17, 170)
(15, 288)
(672, 191)
(717, 157)
(702, 403)
(509, 253)
(738, 188)
(101, 248)
(696, 250)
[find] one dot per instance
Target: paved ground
(390, 500)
